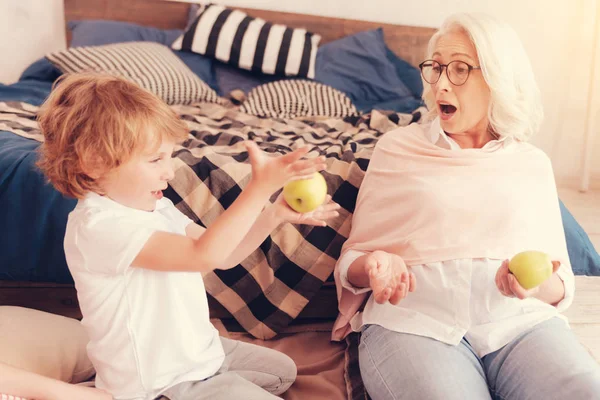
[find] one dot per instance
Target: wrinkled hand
(509, 286)
(274, 172)
(317, 217)
(389, 277)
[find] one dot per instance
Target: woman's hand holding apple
(523, 275)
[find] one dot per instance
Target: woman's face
(462, 109)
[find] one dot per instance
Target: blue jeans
(546, 362)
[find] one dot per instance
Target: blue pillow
(101, 32)
(41, 70)
(98, 32)
(202, 66)
(361, 66)
(231, 78)
(582, 254)
(29, 91)
(410, 75)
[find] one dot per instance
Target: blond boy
(137, 261)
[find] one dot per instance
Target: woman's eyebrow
(454, 54)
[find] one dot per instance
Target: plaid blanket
(272, 286)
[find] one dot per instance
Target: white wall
(28, 30)
(557, 35)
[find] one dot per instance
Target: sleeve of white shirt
(177, 215)
(108, 245)
(566, 275)
(344, 264)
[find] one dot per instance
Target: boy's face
(139, 182)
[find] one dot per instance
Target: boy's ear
(93, 169)
(94, 175)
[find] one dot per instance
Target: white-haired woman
(442, 208)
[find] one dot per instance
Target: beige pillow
(292, 98)
(44, 343)
(152, 66)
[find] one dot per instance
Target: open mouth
(447, 109)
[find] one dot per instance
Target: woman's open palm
(389, 277)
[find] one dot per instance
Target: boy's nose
(169, 172)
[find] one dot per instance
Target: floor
(584, 314)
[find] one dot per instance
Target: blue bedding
(33, 215)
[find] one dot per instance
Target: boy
(137, 261)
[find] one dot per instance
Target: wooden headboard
(408, 42)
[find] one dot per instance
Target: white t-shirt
(149, 330)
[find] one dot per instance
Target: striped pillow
(253, 44)
(151, 65)
(297, 98)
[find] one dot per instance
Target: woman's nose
(444, 83)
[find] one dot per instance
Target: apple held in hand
(305, 195)
(531, 268)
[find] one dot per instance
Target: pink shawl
(429, 204)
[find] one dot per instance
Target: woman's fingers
(396, 296)
(555, 266)
(514, 288)
(501, 279)
(412, 282)
(383, 295)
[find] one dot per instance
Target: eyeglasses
(456, 71)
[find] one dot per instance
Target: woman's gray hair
(515, 106)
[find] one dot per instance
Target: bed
(292, 310)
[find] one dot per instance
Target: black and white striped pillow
(297, 98)
(253, 44)
(151, 65)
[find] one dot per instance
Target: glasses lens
(431, 71)
(458, 72)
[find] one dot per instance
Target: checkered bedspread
(272, 286)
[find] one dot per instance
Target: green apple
(531, 268)
(305, 195)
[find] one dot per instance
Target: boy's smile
(139, 182)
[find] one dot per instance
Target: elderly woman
(442, 208)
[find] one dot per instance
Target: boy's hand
(284, 213)
(389, 277)
(273, 172)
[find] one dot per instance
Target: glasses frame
(469, 67)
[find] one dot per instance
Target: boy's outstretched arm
(273, 216)
(171, 252)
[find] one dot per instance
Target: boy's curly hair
(93, 123)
